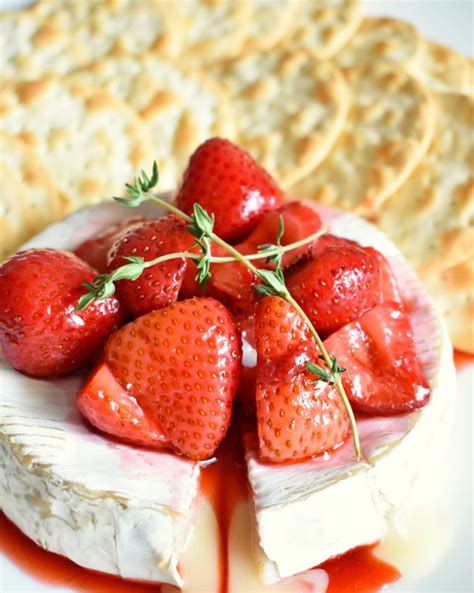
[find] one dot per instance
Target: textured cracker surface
(431, 218)
(180, 108)
(91, 143)
(290, 109)
(389, 128)
(16, 223)
(43, 201)
(387, 39)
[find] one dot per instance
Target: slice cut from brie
(104, 505)
(310, 511)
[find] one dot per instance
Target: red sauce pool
(225, 483)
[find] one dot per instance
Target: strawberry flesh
(227, 182)
(114, 410)
(297, 417)
(383, 373)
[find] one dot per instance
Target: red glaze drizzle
(463, 360)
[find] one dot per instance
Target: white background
(450, 23)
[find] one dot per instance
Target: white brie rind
(106, 506)
(308, 512)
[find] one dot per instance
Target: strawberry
(159, 285)
(383, 373)
(388, 285)
(227, 182)
(299, 221)
(182, 363)
(297, 417)
(339, 285)
(112, 409)
(95, 251)
(41, 331)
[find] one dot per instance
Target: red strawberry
(328, 241)
(300, 221)
(227, 182)
(112, 409)
(182, 363)
(159, 285)
(95, 251)
(383, 373)
(388, 285)
(336, 287)
(41, 331)
(297, 417)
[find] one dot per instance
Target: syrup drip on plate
(462, 360)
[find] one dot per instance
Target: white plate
(448, 564)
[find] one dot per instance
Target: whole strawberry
(297, 416)
(95, 251)
(182, 363)
(337, 286)
(159, 285)
(227, 182)
(41, 331)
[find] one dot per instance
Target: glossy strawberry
(227, 182)
(95, 251)
(159, 285)
(297, 417)
(383, 373)
(299, 221)
(41, 331)
(388, 285)
(182, 363)
(114, 410)
(339, 285)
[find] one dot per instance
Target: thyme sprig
(201, 226)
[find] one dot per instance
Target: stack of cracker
(358, 113)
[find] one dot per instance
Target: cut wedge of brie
(308, 512)
(104, 505)
(128, 511)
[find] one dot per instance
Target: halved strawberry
(383, 373)
(114, 410)
(388, 285)
(300, 221)
(159, 285)
(297, 416)
(229, 183)
(95, 251)
(339, 285)
(182, 363)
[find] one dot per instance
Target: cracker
(269, 22)
(452, 290)
(180, 108)
(380, 38)
(290, 109)
(15, 216)
(324, 27)
(431, 218)
(42, 198)
(389, 129)
(442, 69)
(62, 35)
(90, 142)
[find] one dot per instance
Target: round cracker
(389, 128)
(15, 216)
(290, 109)
(442, 69)
(324, 27)
(452, 290)
(90, 142)
(42, 197)
(269, 22)
(181, 109)
(431, 218)
(379, 38)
